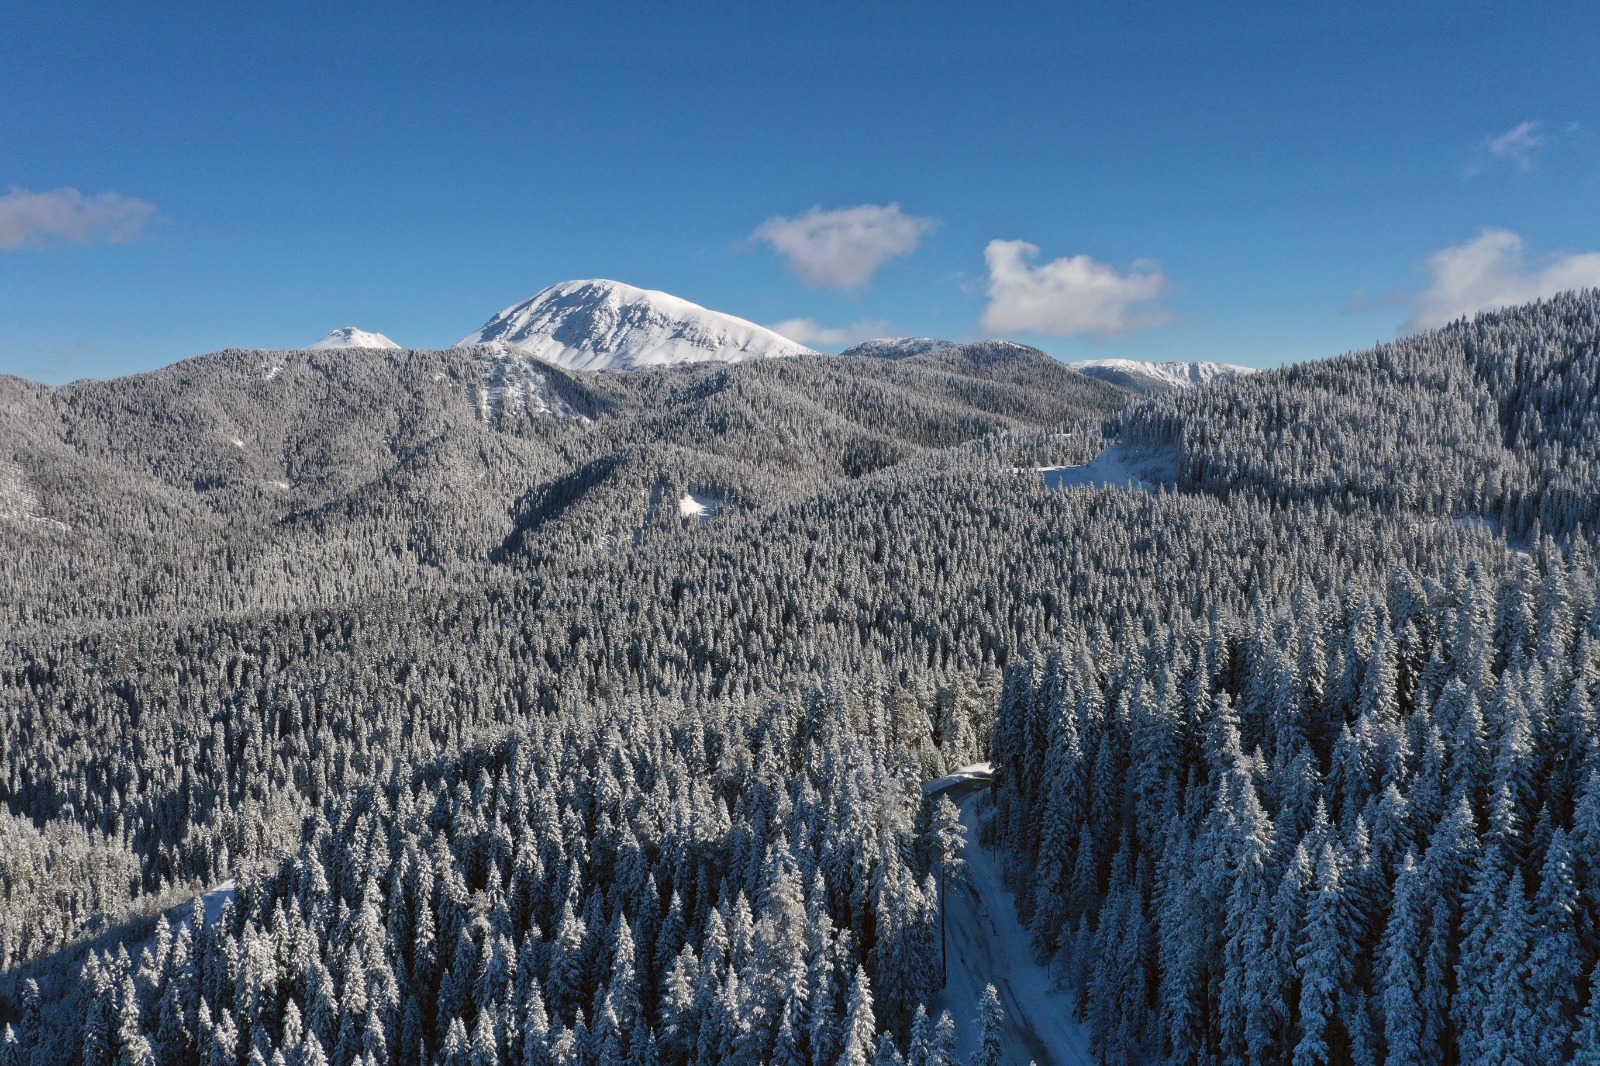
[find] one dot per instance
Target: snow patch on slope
(178, 917)
(1118, 467)
(1142, 376)
(18, 502)
(605, 325)
(702, 507)
(509, 383)
(350, 337)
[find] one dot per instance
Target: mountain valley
(520, 704)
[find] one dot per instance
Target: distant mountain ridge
(601, 325)
(1145, 378)
(1150, 378)
(898, 347)
(606, 325)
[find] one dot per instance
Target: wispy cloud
(1072, 295)
(1517, 144)
(1364, 300)
(1518, 148)
(810, 331)
(67, 216)
(842, 249)
(1491, 271)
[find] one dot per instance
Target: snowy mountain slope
(350, 337)
(1148, 378)
(605, 325)
(509, 382)
(898, 347)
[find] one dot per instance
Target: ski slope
(989, 946)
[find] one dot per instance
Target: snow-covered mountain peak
(1144, 376)
(898, 347)
(606, 325)
(350, 337)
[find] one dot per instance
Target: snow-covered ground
(702, 506)
(1117, 467)
(214, 897)
(989, 946)
(178, 916)
(978, 771)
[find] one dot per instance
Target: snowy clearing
(989, 946)
(1118, 467)
(1472, 521)
(213, 897)
(178, 915)
(701, 507)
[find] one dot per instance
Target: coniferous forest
(402, 708)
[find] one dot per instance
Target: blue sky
(1251, 183)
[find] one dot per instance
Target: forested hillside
(1355, 822)
(1493, 418)
(515, 760)
(250, 481)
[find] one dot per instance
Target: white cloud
(1490, 271)
(1075, 294)
(37, 219)
(842, 249)
(809, 331)
(1517, 144)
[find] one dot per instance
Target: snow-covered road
(988, 945)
